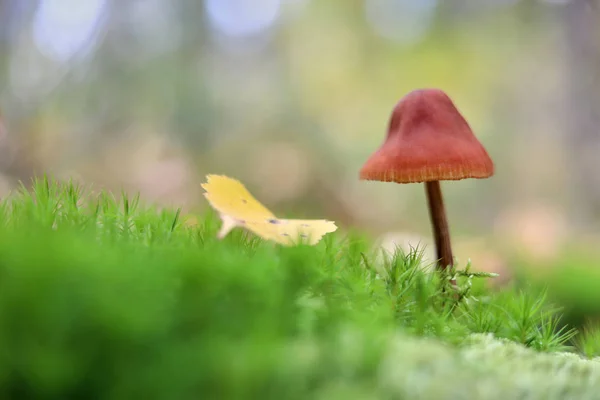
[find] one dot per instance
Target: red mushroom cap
(428, 140)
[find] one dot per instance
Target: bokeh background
(292, 96)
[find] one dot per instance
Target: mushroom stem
(441, 232)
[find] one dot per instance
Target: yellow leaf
(229, 196)
(292, 231)
(238, 208)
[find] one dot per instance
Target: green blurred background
(292, 96)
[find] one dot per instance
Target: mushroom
(428, 141)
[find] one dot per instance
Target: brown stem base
(441, 232)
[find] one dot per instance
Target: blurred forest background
(292, 96)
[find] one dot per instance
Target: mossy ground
(101, 297)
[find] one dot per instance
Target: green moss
(101, 297)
